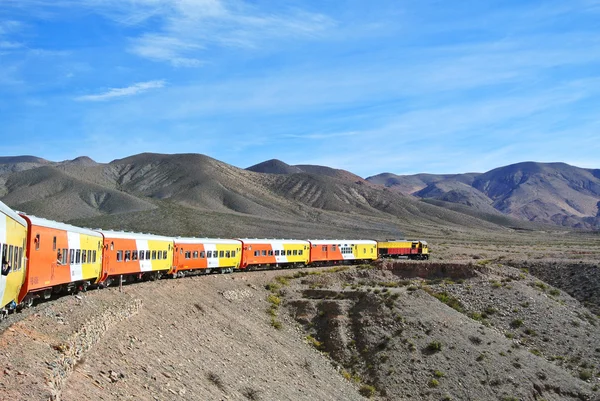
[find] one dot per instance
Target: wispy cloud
(120, 92)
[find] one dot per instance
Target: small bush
(585, 374)
(433, 383)
(439, 374)
(434, 346)
(272, 287)
(314, 342)
(516, 323)
(276, 323)
(367, 390)
(274, 299)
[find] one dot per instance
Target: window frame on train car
(276, 252)
(300, 252)
(153, 254)
(233, 254)
(295, 252)
(37, 241)
(195, 255)
(83, 256)
(20, 257)
(264, 252)
(202, 254)
(289, 252)
(324, 248)
(65, 256)
(127, 255)
(270, 252)
(208, 254)
(221, 254)
(165, 253)
(134, 254)
(94, 256)
(256, 253)
(11, 261)
(147, 254)
(119, 256)
(333, 248)
(71, 256)
(54, 243)
(188, 255)
(227, 254)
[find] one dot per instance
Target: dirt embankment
(580, 279)
(452, 332)
(201, 338)
(415, 330)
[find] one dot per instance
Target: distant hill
(195, 195)
(555, 193)
(275, 166)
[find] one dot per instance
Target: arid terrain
(471, 324)
(506, 308)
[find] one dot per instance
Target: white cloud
(120, 92)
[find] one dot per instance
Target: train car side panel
(13, 238)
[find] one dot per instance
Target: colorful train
(42, 257)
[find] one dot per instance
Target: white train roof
(251, 241)
(135, 236)
(12, 214)
(344, 242)
(57, 225)
(192, 240)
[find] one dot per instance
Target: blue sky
(370, 87)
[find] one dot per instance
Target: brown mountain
(555, 193)
(192, 194)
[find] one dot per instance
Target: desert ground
(480, 320)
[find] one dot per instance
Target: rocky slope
(554, 193)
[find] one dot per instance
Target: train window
(277, 252)
(181, 251)
(148, 255)
(202, 254)
(324, 248)
(300, 252)
(89, 255)
(188, 254)
(71, 255)
(112, 246)
(37, 242)
(84, 256)
(256, 253)
(159, 255)
(10, 255)
(195, 255)
(295, 252)
(221, 254)
(127, 256)
(78, 256)
(119, 256)
(54, 243)
(4, 252)
(134, 255)
(227, 254)
(289, 252)
(264, 252)
(63, 256)
(94, 256)
(165, 253)
(270, 252)
(153, 255)
(333, 247)
(233, 254)
(20, 257)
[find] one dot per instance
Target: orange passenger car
(60, 258)
(135, 256)
(206, 255)
(274, 253)
(324, 252)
